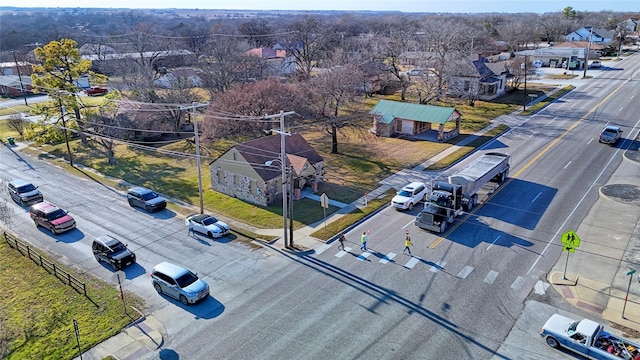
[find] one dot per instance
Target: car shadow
(131, 272)
(160, 214)
(205, 240)
(206, 309)
(68, 237)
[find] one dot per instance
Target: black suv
(24, 192)
(110, 250)
(145, 199)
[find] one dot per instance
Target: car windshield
(209, 221)
(612, 131)
(116, 248)
(27, 188)
(150, 195)
(405, 193)
(186, 279)
(57, 214)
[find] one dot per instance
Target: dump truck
(587, 338)
(448, 200)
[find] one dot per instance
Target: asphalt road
(457, 297)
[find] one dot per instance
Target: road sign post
(324, 201)
(75, 327)
(630, 275)
(571, 241)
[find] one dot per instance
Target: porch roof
(389, 110)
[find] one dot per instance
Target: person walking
(341, 239)
(407, 243)
(363, 240)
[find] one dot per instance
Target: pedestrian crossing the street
(391, 257)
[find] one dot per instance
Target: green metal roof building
(399, 118)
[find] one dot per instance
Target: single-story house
(10, 86)
(588, 33)
(557, 57)
(478, 79)
(242, 171)
(399, 118)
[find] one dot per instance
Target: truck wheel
(503, 176)
(551, 341)
(443, 226)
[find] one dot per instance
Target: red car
(51, 217)
(96, 91)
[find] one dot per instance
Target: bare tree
(17, 123)
(447, 40)
(309, 42)
(333, 91)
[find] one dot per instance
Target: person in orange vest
(407, 243)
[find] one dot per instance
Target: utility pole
(24, 95)
(586, 57)
(524, 96)
(194, 106)
(283, 160)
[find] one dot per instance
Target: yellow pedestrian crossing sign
(570, 240)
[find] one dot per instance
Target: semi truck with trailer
(450, 199)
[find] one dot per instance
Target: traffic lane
(366, 309)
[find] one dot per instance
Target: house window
(220, 176)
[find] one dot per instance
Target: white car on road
(410, 195)
(207, 224)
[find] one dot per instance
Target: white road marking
(517, 284)
(388, 257)
(621, 109)
(439, 265)
(541, 287)
(364, 255)
(322, 248)
(566, 166)
(465, 272)
(589, 142)
(409, 223)
(491, 277)
(411, 263)
(534, 199)
(494, 241)
(533, 133)
(579, 204)
(344, 252)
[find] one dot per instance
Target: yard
(362, 162)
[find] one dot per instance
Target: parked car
(610, 135)
(96, 91)
(145, 199)
(409, 195)
(52, 217)
(207, 224)
(595, 64)
(179, 283)
(24, 192)
(112, 251)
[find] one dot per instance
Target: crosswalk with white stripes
(540, 287)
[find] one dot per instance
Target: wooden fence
(26, 250)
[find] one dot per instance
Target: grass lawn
(37, 311)
(362, 161)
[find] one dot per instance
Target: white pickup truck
(587, 338)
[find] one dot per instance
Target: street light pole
(586, 57)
